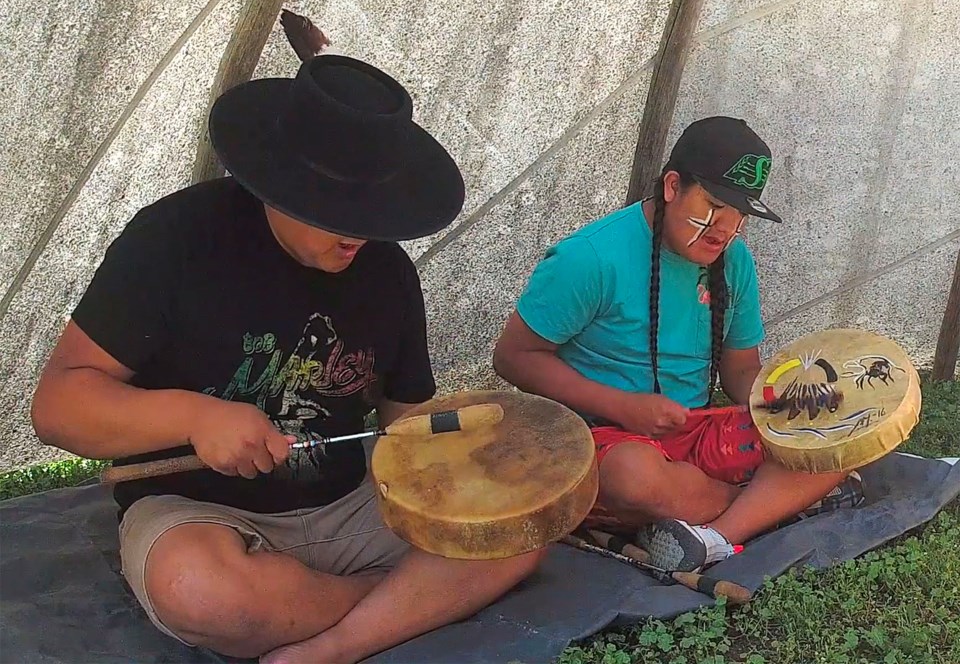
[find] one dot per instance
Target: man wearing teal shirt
(632, 320)
(589, 295)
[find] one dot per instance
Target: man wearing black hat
(236, 317)
(632, 320)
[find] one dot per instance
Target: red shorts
(722, 442)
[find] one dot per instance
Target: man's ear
(671, 186)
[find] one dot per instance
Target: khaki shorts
(344, 537)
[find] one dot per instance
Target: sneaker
(675, 545)
(849, 493)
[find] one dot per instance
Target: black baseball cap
(729, 160)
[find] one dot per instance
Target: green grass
(46, 476)
(899, 604)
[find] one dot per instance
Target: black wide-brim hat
(336, 147)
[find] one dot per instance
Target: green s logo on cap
(751, 171)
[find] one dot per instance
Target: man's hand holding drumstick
(652, 415)
(250, 444)
(237, 439)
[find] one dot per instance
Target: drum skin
(846, 398)
(491, 493)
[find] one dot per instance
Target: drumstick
(619, 545)
(735, 593)
(462, 419)
(716, 410)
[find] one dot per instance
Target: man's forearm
(543, 373)
(89, 413)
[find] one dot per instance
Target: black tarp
(62, 599)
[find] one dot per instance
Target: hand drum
(494, 491)
(835, 400)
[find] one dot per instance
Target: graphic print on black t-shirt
(290, 385)
(197, 294)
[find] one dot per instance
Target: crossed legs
(332, 585)
(424, 592)
(208, 589)
(638, 485)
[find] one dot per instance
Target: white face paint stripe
(702, 225)
(736, 232)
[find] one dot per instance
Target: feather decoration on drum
(813, 389)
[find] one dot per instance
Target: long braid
(659, 204)
(718, 308)
(718, 297)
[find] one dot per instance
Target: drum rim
(878, 440)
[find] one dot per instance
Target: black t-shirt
(197, 294)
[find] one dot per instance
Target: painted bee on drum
(870, 367)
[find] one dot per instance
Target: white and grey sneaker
(675, 545)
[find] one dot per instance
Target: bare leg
(774, 494)
(424, 592)
(209, 590)
(638, 485)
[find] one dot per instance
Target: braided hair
(718, 293)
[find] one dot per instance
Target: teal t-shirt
(591, 295)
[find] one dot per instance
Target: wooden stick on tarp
(662, 95)
(701, 583)
(948, 344)
(239, 60)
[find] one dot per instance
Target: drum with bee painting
(835, 400)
